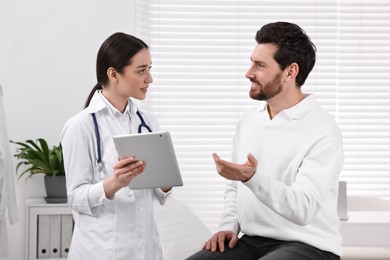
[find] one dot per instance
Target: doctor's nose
(149, 78)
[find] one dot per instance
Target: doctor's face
(135, 78)
(264, 73)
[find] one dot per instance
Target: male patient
(286, 160)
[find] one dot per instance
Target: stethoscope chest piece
(99, 166)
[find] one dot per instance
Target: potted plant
(40, 159)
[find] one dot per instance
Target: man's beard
(268, 90)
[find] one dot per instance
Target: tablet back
(156, 150)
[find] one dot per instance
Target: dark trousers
(261, 248)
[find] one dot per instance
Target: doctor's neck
(119, 102)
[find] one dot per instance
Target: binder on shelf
(66, 234)
(55, 236)
(43, 236)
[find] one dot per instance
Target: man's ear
(290, 74)
(292, 70)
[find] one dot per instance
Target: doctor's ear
(112, 74)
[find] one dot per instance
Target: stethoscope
(99, 152)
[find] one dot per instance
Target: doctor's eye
(142, 71)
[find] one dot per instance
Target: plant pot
(55, 189)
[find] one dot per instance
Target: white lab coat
(122, 227)
(7, 182)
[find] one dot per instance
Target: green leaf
(37, 157)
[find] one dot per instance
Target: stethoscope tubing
(99, 152)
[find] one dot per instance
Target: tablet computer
(156, 150)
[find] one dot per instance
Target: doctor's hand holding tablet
(124, 172)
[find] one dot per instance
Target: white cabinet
(49, 229)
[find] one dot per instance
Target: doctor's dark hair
(293, 45)
(116, 52)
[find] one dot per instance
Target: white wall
(48, 51)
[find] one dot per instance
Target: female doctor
(111, 221)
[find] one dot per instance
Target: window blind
(364, 95)
(201, 50)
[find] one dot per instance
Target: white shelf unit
(36, 208)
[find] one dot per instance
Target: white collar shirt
(122, 227)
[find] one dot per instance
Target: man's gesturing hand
(238, 172)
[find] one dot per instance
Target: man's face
(264, 73)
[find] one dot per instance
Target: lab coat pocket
(101, 219)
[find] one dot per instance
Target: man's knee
(202, 255)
